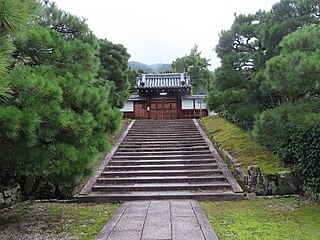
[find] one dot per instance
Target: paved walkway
(172, 220)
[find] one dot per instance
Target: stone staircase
(162, 160)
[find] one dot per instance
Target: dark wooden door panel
(163, 108)
(140, 110)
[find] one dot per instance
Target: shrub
(292, 130)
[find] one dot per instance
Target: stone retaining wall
(10, 196)
(256, 182)
(283, 183)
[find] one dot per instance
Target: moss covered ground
(276, 219)
(241, 146)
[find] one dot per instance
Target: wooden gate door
(140, 110)
(163, 108)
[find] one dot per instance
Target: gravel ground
(29, 221)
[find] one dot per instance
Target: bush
(46, 138)
(229, 104)
(292, 130)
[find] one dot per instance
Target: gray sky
(159, 31)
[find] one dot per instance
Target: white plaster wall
(200, 104)
(187, 104)
(128, 107)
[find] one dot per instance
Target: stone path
(170, 219)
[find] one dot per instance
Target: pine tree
(14, 17)
(56, 123)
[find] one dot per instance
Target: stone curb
(87, 188)
(107, 229)
(207, 230)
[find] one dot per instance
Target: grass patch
(276, 219)
(66, 220)
(82, 220)
(241, 146)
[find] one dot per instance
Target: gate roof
(163, 81)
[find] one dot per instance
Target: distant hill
(154, 68)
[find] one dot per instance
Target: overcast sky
(159, 31)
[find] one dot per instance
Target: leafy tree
(132, 77)
(114, 63)
(197, 68)
(296, 71)
(293, 131)
(244, 51)
(15, 15)
(58, 118)
(269, 81)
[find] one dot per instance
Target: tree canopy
(64, 99)
(114, 63)
(197, 68)
(239, 87)
(268, 81)
(15, 16)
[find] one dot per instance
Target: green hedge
(292, 130)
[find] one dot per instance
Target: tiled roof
(136, 98)
(168, 80)
(194, 97)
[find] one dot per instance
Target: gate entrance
(163, 108)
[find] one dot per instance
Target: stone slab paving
(151, 220)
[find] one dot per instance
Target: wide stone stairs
(162, 160)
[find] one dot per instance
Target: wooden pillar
(148, 107)
(134, 109)
(194, 108)
(179, 106)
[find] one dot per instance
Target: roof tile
(168, 80)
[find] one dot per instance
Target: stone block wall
(283, 183)
(9, 196)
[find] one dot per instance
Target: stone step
(191, 137)
(150, 173)
(146, 153)
(164, 123)
(163, 126)
(161, 131)
(161, 187)
(181, 123)
(171, 148)
(160, 162)
(139, 196)
(172, 156)
(158, 129)
(161, 134)
(165, 136)
(161, 167)
(164, 139)
(160, 179)
(164, 144)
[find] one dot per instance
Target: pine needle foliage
(56, 122)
